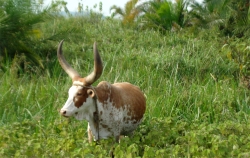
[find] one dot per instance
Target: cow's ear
(91, 93)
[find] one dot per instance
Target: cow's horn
(91, 78)
(65, 65)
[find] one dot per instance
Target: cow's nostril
(63, 112)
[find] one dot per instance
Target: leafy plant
(196, 104)
(129, 13)
(21, 34)
(164, 15)
(229, 16)
(238, 51)
(163, 138)
(17, 20)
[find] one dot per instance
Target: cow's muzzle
(63, 112)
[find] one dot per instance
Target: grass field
(197, 105)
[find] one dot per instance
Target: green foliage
(209, 14)
(231, 17)
(17, 19)
(238, 51)
(128, 14)
(21, 35)
(197, 105)
(164, 15)
(160, 138)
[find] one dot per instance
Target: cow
(112, 110)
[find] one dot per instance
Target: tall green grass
(189, 82)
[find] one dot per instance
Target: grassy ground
(196, 104)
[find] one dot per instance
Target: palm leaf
(129, 13)
(164, 14)
(117, 10)
(17, 21)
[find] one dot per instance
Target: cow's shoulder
(103, 86)
(103, 91)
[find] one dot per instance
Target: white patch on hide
(114, 121)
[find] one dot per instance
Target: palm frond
(17, 29)
(130, 6)
(117, 10)
(129, 13)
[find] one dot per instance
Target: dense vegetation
(195, 75)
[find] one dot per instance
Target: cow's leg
(117, 139)
(120, 137)
(90, 135)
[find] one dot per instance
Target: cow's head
(81, 93)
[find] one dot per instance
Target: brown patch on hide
(80, 97)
